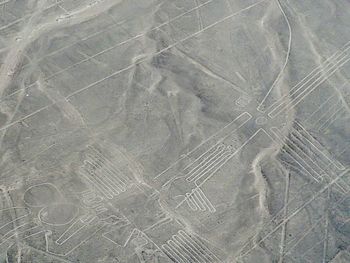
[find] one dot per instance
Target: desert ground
(184, 131)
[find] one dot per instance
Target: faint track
(259, 108)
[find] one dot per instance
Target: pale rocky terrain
(186, 131)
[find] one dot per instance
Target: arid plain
(184, 131)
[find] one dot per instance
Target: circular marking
(242, 101)
(58, 214)
(261, 120)
(41, 195)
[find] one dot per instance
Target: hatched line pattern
(312, 81)
(187, 248)
(310, 155)
(102, 174)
